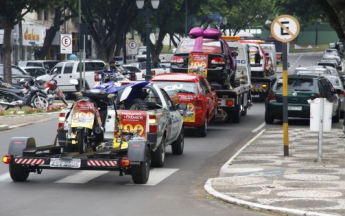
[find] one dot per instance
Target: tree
(108, 21)
(60, 10)
(10, 13)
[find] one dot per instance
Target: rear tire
(269, 119)
(141, 173)
(236, 118)
(244, 112)
(80, 140)
(18, 173)
(178, 145)
(202, 131)
(158, 156)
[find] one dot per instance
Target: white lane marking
(5, 177)
(157, 175)
(82, 177)
(258, 128)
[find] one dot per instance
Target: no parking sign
(66, 44)
(132, 47)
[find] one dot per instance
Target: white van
(68, 70)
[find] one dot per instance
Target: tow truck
(233, 92)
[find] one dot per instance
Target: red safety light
(7, 159)
(125, 162)
(217, 60)
(176, 60)
(153, 72)
(272, 96)
(230, 103)
(96, 78)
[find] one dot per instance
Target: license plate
(255, 96)
(68, 163)
(295, 108)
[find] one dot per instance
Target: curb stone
(250, 205)
(3, 127)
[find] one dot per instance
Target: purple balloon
(196, 32)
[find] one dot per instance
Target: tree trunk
(7, 51)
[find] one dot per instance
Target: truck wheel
(141, 173)
(178, 145)
(202, 131)
(269, 119)
(236, 118)
(80, 140)
(244, 112)
(158, 156)
(18, 173)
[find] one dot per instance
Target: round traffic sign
(66, 41)
(132, 44)
(285, 28)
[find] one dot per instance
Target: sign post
(285, 28)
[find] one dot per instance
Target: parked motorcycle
(30, 95)
(51, 89)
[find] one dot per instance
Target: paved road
(177, 189)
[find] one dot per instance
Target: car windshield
(178, 87)
(297, 85)
(133, 69)
(326, 64)
(49, 65)
(208, 46)
(14, 71)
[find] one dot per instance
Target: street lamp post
(140, 5)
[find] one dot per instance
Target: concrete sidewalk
(260, 177)
(9, 122)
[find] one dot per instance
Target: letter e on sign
(66, 44)
(285, 28)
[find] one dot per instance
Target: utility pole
(80, 50)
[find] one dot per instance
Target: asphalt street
(176, 189)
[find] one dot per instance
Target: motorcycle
(51, 89)
(30, 95)
(89, 111)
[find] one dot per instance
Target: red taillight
(124, 162)
(177, 60)
(217, 60)
(272, 96)
(152, 124)
(7, 159)
(124, 83)
(153, 72)
(143, 75)
(198, 104)
(62, 118)
(96, 77)
(230, 102)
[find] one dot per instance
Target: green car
(301, 88)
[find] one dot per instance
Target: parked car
(47, 64)
(330, 62)
(339, 87)
(133, 70)
(332, 56)
(35, 71)
(141, 54)
(156, 68)
(195, 91)
(301, 88)
(118, 59)
(311, 70)
(17, 74)
(70, 69)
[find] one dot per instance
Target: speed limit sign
(132, 47)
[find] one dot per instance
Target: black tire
(202, 130)
(4, 99)
(80, 141)
(342, 113)
(336, 118)
(236, 118)
(141, 173)
(158, 156)
(269, 119)
(178, 145)
(18, 173)
(39, 101)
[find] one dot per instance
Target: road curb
(250, 205)
(229, 162)
(6, 127)
(209, 189)
(3, 127)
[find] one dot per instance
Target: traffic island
(260, 177)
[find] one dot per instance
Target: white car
(155, 69)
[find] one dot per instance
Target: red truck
(195, 91)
